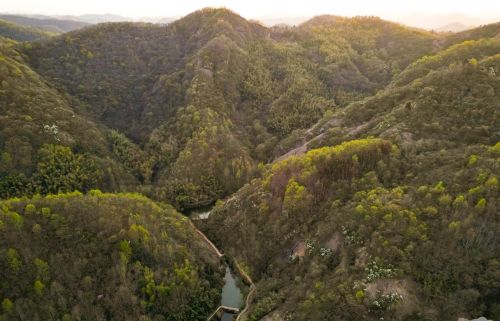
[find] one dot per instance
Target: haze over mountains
(351, 165)
(439, 22)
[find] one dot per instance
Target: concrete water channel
(232, 298)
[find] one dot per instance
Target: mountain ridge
(353, 163)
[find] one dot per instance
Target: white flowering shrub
(384, 301)
(375, 271)
(350, 237)
(52, 129)
(310, 246)
(325, 252)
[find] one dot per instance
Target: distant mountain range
(454, 22)
(442, 22)
(70, 22)
(453, 27)
(45, 23)
(35, 27)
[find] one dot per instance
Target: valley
(340, 169)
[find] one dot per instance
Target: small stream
(232, 295)
(200, 214)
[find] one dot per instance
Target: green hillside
(21, 33)
(353, 164)
(50, 25)
(177, 92)
(487, 31)
(356, 230)
(42, 129)
(443, 100)
(363, 53)
(103, 256)
(403, 232)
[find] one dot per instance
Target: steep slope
(147, 81)
(103, 256)
(103, 66)
(176, 94)
(34, 116)
(21, 33)
(471, 49)
(112, 66)
(448, 98)
(355, 232)
(402, 226)
(487, 31)
(363, 53)
(366, 231)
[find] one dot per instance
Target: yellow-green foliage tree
(95, 255)
(60, 170)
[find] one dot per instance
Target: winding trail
(250, 293)
(247, 302)
(206, 239)
(242, 272)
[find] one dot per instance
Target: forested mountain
(211, 95)
(355, 232)
(42, 130)
(355, 160)
(101, 257)
(486, 31)
(47, 24)
(448, 98)
(366, 229)
(21, 33)
(367, 51)
(403, 228)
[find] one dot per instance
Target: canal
(232, 294)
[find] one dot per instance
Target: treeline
(332, 243)
(214, 77)
(21, 33)
(58, 170)
(153, 104)
(102, 256)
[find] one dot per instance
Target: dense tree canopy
(354, 231)
(21, 33)
(100, 257)
(237, 80)
(354, 162)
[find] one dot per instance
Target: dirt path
(247, 302)
(206, 239)
(240, 271)
(302, 149)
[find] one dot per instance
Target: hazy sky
(255, 8)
